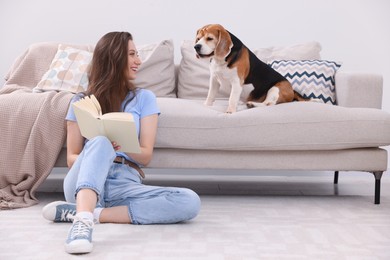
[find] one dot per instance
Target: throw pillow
(157, 71)
(194, 73)
(310, 78)
(304, 51)
(68, 71)
(194, 76)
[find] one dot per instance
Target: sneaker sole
(81, 246)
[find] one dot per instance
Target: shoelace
(81, 227)
(65, 213)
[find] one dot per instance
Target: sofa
(346, 131)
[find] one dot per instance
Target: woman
(104, 185)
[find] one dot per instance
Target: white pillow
(157, 71)
(304, 51)
(68, 71)
(194, 73)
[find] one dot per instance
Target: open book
(116, 126)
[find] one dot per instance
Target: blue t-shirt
(143, 104)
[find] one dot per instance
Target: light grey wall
(356, 32)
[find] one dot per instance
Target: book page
(88, 105)
(89, 125)
(97, 105)
(117, 126)
(118, 116)
(123, 132)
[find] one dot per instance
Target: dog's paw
(231, 110)
(250, 104)
(208, 102)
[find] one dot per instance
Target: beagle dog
(233, 64)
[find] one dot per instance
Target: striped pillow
(310, 78)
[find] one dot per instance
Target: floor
(272, 215)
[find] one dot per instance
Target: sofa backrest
(158, 72)
(28, 69)
(194, 73)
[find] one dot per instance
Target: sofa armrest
(359, 89)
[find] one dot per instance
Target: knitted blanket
(32, 132)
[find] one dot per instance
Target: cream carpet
(271, 216)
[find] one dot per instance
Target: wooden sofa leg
(378, 176)
(336, 177)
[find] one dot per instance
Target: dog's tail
(299, 97)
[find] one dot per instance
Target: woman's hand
(116, 146)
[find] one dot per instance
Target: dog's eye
(209, 39)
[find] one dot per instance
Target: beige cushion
(68, 71)
(189, 124)
(28, 69)
(304, 51)
(157, 72)
(194, 73)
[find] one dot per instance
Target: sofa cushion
(188, 124)
(310, 78)
(157, 71)
(68, 71)
(28, 69)
(194, 73)
(303, 51)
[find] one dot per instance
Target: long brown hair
(108, 75)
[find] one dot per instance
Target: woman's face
(133, 61)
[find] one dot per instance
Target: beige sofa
(304, 136)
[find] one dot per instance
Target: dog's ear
(200, 30)
(196, 36)
(224, 44)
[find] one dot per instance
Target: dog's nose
(197, 47)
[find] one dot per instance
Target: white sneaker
(79, 239)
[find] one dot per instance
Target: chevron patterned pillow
(310, 78)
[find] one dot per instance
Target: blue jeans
(120, 185)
